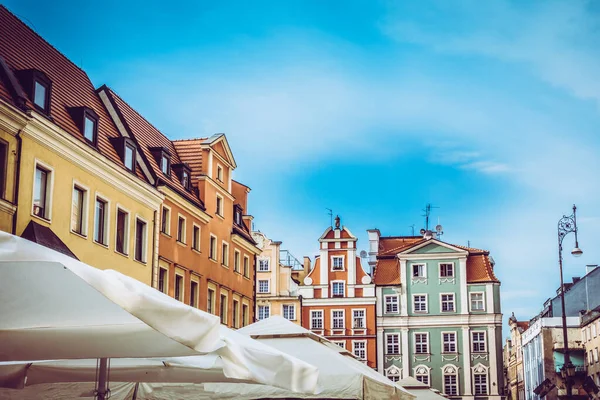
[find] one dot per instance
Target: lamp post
(566, 225)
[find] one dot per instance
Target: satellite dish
(422, 231)
(438, 228)
(363, 254)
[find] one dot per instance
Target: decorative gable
(433, 248)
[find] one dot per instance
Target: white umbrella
(55, 307)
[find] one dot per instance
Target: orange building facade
(206, 255)
(338, 297)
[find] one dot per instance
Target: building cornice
(185, 204)
(243, 242)
(339, 301)
(432, 256)
(13, 120)
(219, 188)
(439, 321)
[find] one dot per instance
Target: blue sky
(489, 110)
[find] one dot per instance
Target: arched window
(450, 373)
(393, 373)
(422, 374)
(480, 380)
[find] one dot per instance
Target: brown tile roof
(394, 245)
(24, 49)
(190, 151)
(523, 325)
(479, 268)
(387, 272)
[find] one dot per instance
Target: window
(419, 271)
(449, 342)
(100, 221)
(219, 206)
(359, 348)
(421, 343)
(477, 301)
(89, 128)
(341, 343)
(337, 263)
(447, 270)
(225, 251)
(78, 210)
(223, 309)
(181, 229)
(392, 343)
(41, 95)
(165, 223)
(238, 216)
(447, 302)
(393, 374)
(264, 312)
(41, 195)
(210, 301)
(212, 250)
(337, 289)
(140, 240)
(422, 374)
(236, 261)
(316, 319)
(420, 303)
(244, 314)
(196, 238)
(165, 164)
(234, 317)
(358, 318)
(122, 232)
(246, 267)
(178, 287)
(3, 168)
(595, 355)
(391, 304)
(478, 342)
(450, 381)
(289, 312)
(129, 159)
(185, 179)
(263, 286)
(337, 318)
(194, 294)
(162, 280)
(263, 265)
(593, 330)
(219, 173)
(480, 383)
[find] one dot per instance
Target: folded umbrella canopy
(54, 307)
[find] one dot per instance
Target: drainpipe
(254, 293)
(154, 251)
(17, 181)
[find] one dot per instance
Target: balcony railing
(286, 258)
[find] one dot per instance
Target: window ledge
(166, 234)
(225, 266)
(122, 254)
(101, 244)
(81, 235)
(181, 243)
(212, 259)
(46, 220)
(144, 263)
(220, 216)
(196, 251)
(246, 277)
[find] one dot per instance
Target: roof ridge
(188, 139)
(2, 6)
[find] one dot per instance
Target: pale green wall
(433, 248)
(433, 287)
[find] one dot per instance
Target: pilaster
(380, 352)
(464, 297)
(403, 293)
(466, 342)
(405, 350)
(492, 348)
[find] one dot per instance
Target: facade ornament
(337, 222)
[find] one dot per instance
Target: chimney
(590, 267)
(374, 235)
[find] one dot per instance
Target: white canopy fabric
(55, 307)
(419, 389)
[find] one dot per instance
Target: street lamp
(566, 225)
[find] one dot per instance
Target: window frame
(258, 286)
(453, 275)
(212, 248)
(165, 280)
(293, 308)
(343, 318)
(83, 218)
(196, 237)
(235, 309)
(482, 301)
(194, 280)
(341, 343)
(337, 283)
(260, 266)
(88, 114)
(454, 342)
(48, 190)
(479, 342)
(246, 267)
(47, 85)
(144, 250)
(219, 206)
(480, 370)
(313, 319)
(219, 175)
(396, 303)
(210, 299)
(387, 343)
(181, 230)
(427, 343)
(179, 288)
(237, 255)
(165, 228)
(447, 301)
(263, 307)
(354, 348)
(224, 310)
(224, 254)
(245, 308)
(106, 220)
(415, 311)
(132, 147)
(456, 383)
(126, 234)
(413, 265)
(337, 257)
(164, 156)
(418, 374)
(363, 318)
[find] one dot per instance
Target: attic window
(165, 164)
(183, 173)
(38, 87)
(127, 150)
(129, 156)
(185, 179)
(90, 127)
(40, 95)
(163, 159)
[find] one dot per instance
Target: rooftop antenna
(412, 227)
(330, 216)
(439, 229)
(468, 243)
(427, 211)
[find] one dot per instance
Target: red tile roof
(394, 245)
(190, 151)
(24, 49)
(523, 325)
(387, 271)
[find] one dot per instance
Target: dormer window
(87, 121)
(89, 128)
(219, 173)
(163, 159)
(127, 150)
(183, 173)
(40, 95)
(165, 164)
(38, 87)
(129, 156)
(237, 215)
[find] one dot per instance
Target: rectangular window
(223, 309)
(122, 231)
(263, 265)
(210, 301)
(39, 96)
(418, 271)
(337, 289)
(358, 318)
(480, 383)
(40, 193)
(391, 304)
(129, 157)
(337, 317)
(246, 267)
(219, 205)
(449, 342)
(194, 294)
(337, 263)
(181, 229)
(178, 287)
(420, 303)
(478, 341)
(593, 330)
(450, 385)
(393, 343)
(423, 377)
(100, 228)
(219, 173)
(162, 280)
(164, 164)
(341, 343)
(264, 312)
(196, 238)
(263, 286)
(89, 128)
(212, 250)
(316, 319)
(447, 270)
(595, 354)
(140, 240)
(421, 343)
(360, 350)
(447, 302)
(185, 179)
(477, 303)
(165, 222)
(3, 168)
(244, 314)
(78, 210)
(236, 261)
(234, 317)
(289, 311)
(225, 251)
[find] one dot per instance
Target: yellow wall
(66, 172)
(8, 136)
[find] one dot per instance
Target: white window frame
(338, 282)
(485, 345)
(444, 374)
(85, 208)
(107, 218)
(453, 302)
(235, 321)
(341, 343)
(260, 262)
(482, 302)
(293, 308)
(412, 270)
(182, 289)
(332, 263)
(428, 343)
(481, 370)
(446, 263)
(127, 235)
(396, 303)
(364, 318)
(211, 299)
(195, 279)
(246, 271)
(166, 281)
(387, 343)
(594, 333)
(455, 342)
(168, 226)
(217, 177)
(224, 318)
(237, 260)
(184, 231)
(268, 286)
(393, 373)
(212, 248)
(219, 210)
(419, 372)
(343, 319)
(264, 307)
(225, 254)
(196, 246)
(362, 342)
(49, 190)
(312, 319)
(145, 239)
(426, 303)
